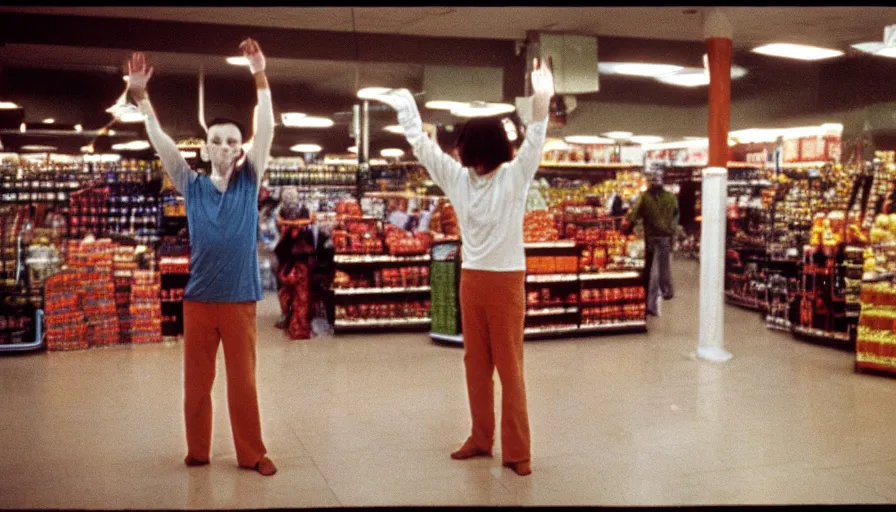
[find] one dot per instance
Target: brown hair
(482, 141)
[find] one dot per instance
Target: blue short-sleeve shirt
(223, 239)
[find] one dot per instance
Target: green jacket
(658, 211)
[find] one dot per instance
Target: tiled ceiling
(833, 26)
(306, 81)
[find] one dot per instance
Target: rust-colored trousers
(493, 314)
(207, 324)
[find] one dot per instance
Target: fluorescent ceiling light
(134, 145)
(797, 51)
(618, 135)
(637, 69)
(391, 152)
(79, 128)
(444, 105)
(49, 120)
(482, 109)
(188, 154)
(588, 139)
(111, 133)
(306, 148)
(130, 117)
(394, 129)
(369, 93)
(687, 79)
(238, 61)
(298, 120)
(22, 127)
(353, 149)
(102, 158)
(8, 105)
(695, 77)
(646, 139)
(87, 149)
(878, 49)
(38, 147)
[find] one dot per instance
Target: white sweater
(490, 208)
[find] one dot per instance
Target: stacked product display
(876, 341)
(382, 273)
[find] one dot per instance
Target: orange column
(719, 56)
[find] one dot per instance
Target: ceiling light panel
(797, 51)
(306, 148)
(637, 69)
(298, 120)
(482, 109)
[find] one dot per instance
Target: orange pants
(232, 324)
(493, 314)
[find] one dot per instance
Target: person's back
(658, 209)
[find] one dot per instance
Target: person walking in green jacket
(657, 209)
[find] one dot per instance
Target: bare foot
(468, 451)
(193, 461)
(521, 468)
(265, 466)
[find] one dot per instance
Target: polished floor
(369, 420)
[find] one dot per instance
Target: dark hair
(224, 120)
(482, 141)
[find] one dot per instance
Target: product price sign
(808, 149)
(792, 150)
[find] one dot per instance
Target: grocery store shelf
(609, 275)
(550, 245)
(372, 291)
(576, 165)
(378, 258)
(803, 165)
(744, 302)
(452, 338)
(551, 278)
(746, 165)
(751, 183)
(632, 324)
(551, 330)
(819, 335)
(383, 322)
(551, 311)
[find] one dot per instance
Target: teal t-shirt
(223, 239)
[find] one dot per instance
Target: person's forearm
(172, 160)
(263, 138)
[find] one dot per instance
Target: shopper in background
(295, 257)
(221, 296)
(488, 189)
(657, 209)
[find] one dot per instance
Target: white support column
(712, 265)
(717, 31)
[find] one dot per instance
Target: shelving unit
(382, 291)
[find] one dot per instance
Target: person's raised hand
(138, 73)
(404, 103)
(543, 87)
(252, 52)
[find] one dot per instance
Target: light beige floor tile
(369, 420)
(381, 488)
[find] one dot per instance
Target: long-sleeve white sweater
(490, 208)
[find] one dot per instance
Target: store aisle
(370, 420)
